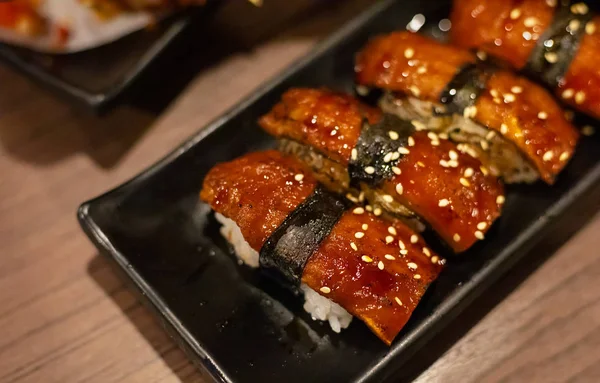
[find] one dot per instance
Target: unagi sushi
(557, 44)
(513, 125)
(347, 261)
(417, 175)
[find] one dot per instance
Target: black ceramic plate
(239, 326)
(94, 78)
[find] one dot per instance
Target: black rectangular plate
(95, 78)
(239, 326)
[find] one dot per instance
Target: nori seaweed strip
(290, 246)
(560, 40)
(372, 147)
(464, 88)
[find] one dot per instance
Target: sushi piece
(416, 175)
(557, 44)
(513, 125)
(347, 261)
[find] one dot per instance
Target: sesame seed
(387, 157)
(398, 301)
(484, 170)
(491, 134)
(389, 239)
(509, 97)
(411, 141)
(564, 156)
(401, 244)
(299, 177)
(494, 93)
(588, 130)
(456, 238)
(479, 235)
(325, 290)
(421, 164)
(389, 257)
(470, 111)
(481, 225)
(403, 251)
(369, 170)
(464, 182)
(354, 154)
(351, 198)
(426, 252)
(568, 93)
(333, 132)
(484, 144)
(380, 265)
(453, 163)
(409, 53)
(530, 22)
(393, 135)
(551, 57)
(395, 155)
(453, 155)
(414, 90)
(414, 238)
(579, 97)
(503, 129)
(579, 8)
(516, 89)
(377, 211)
(590, 28)
(396, 170)
(359, 234)
(468, 172)
(361, 196)
(515, 13)
(421, 70)
(417, 276)
(432, 136)
(365, 226)
(358, 210)
(418, 125)
(392, 230)
(353, 246)
(548, 155)
(481, 55)
(399, 189)
(388, 198)
(434, 143)
(443, 136)
(443, 203)
(366, 258)
(444, 163)
(403, 150)
(500, 199)
(542, 115)
(412, 265)
(574, 25)
(369, 208)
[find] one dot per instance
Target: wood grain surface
(66, 317)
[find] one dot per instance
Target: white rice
(319, 307)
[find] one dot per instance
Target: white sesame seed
(580, 97)
(380, 265)
(393, 135)
(426, 252)
(494, 93)
(421, 70)
(351, 198)
(399, 189)
(389, 257)
(369, 208)
(568, 93)
(411, 141)
(468, 172)
(564, 156)
(509, 97)
(490, 135)
(392, 230)
(470, 111)
(366, 258)
(479, 235)
(388, 198)
(387, 157)
(453, 155)
(434, 143)
(421, 164)
(359, 234)
(401, 244)
(414, 90)
(389, 239)
(481, 225)
(365, 226)
(542, 115)
(590, 28)
(432, 136)
(403, 251)
(398, 301)
(325, 290)
(369, 170)
(574, 25)
(481, 55)
(579, 8)
(588, 130)
(361, 196)
(456, 238)
(484, 144)
(418, 125)
(551, 57)
(503, 129)
(396, 170)
(395, 156)
(353, 246)
(484, 170)
(434, 259)
(443, 203)
(500, 199)
(443, 136)
(377, 211)
(530, 22)
(299, 177)
(464, 182)
(358, 210)
(354, 154)
(453, 163)
(409, 53)
(417, 276)
(403, 150)
(444, 163)
(414, 238)
(515, 13)
(516, 89)
(333, 132)
(548, 155)
(412, 265)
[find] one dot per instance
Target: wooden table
(66, 317)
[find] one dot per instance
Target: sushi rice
(319, 307)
